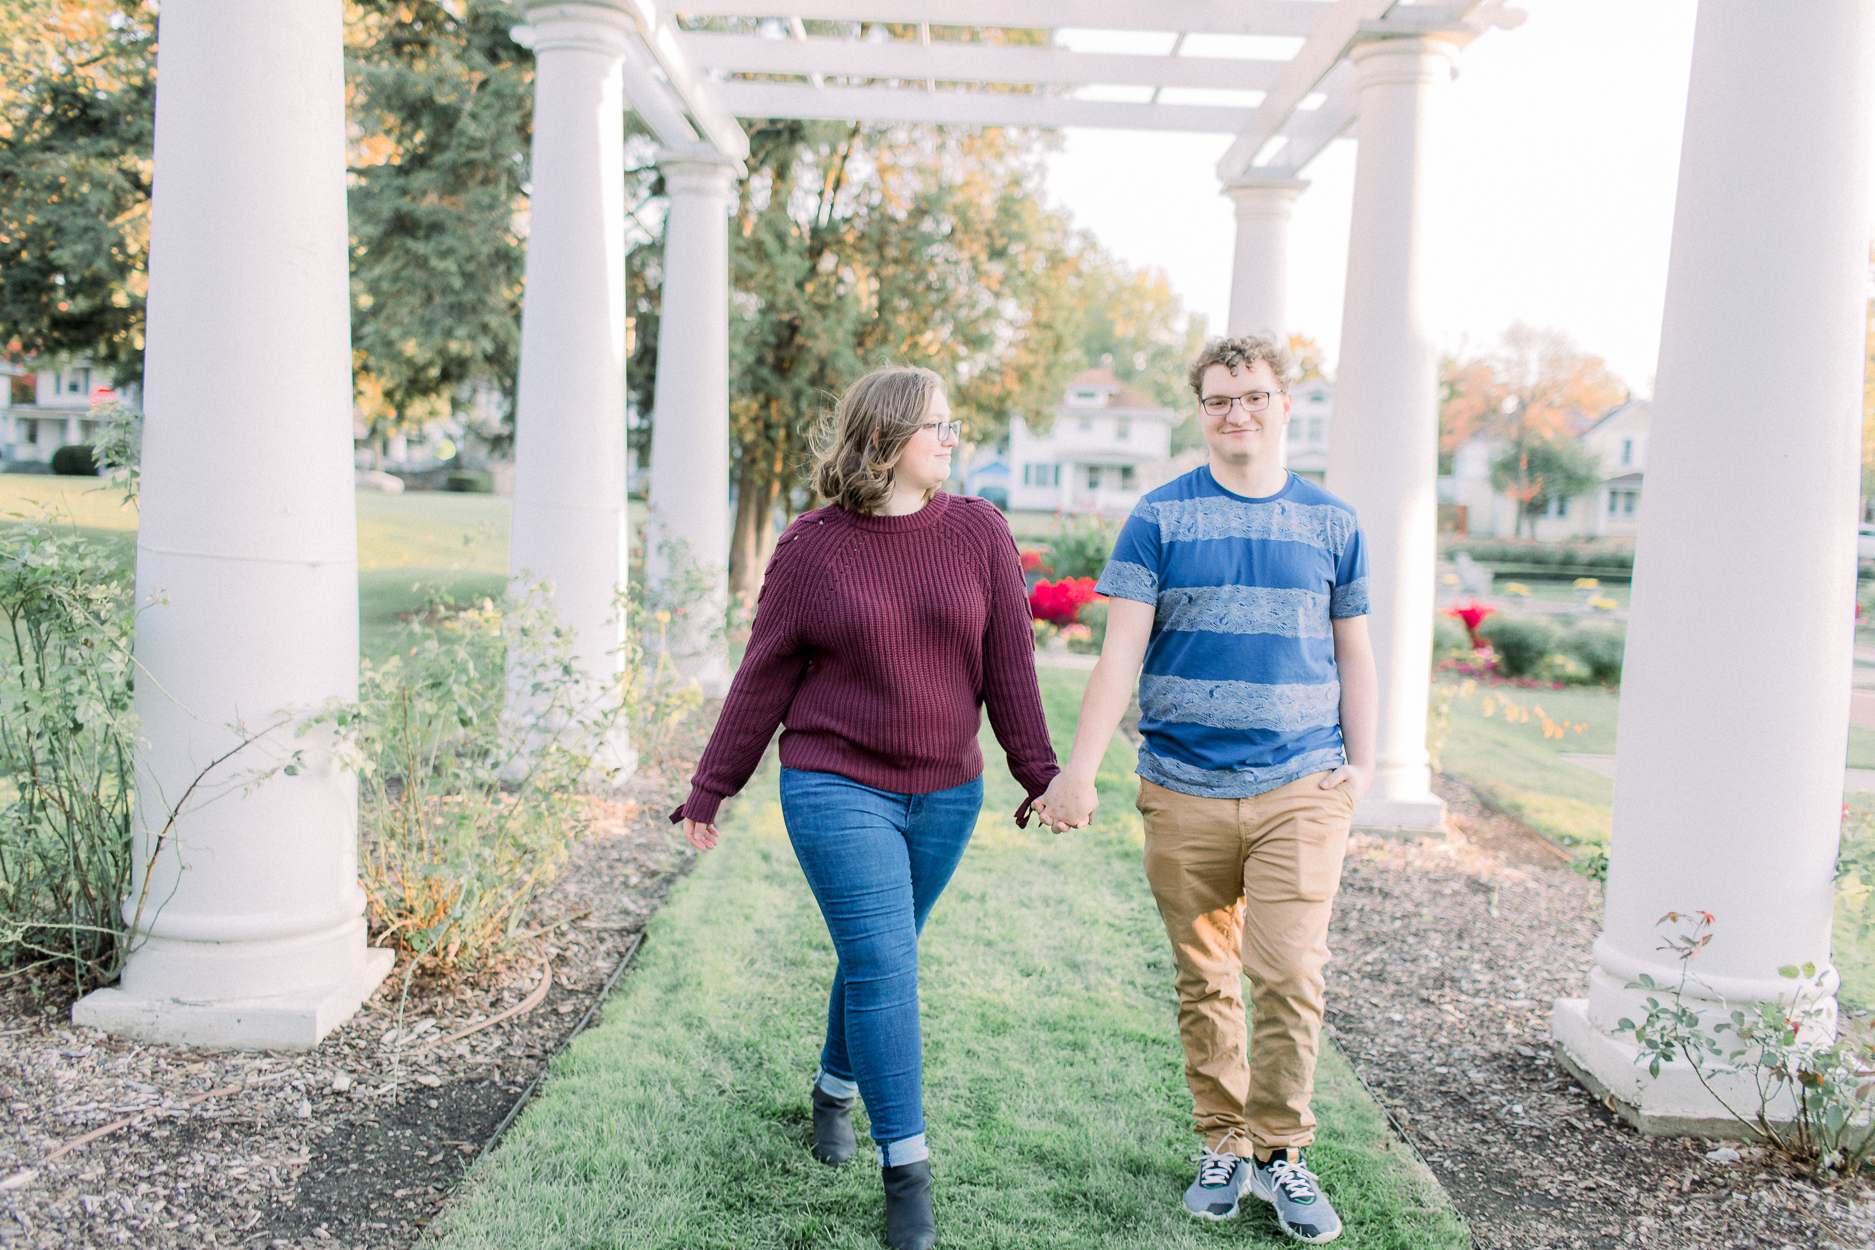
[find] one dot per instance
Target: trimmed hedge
(1521, 642)
(1566, 559)
(470, 481)
(75, 460)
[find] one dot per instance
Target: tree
(77, 107)
(1536, 387)
(1537, 471)
(854, 246)
(441, 102)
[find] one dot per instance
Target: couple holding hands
(1237, 598)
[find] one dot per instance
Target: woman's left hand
(703, 837)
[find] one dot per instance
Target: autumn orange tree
(1535, 390)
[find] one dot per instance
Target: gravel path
(1448, 956)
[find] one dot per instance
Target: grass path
(1057, 1107)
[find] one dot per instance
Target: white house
(1311, 404)
(1618, 439)
(1102, 455)
(44, 410)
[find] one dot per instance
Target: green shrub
(67, 741)
(1081, 546)
(1577, 557)
(472, 747)
(1600, 648)
(470, 481)
(1520, 642)
(75, 460)
(1449, 639)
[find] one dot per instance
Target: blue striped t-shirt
(1239, 692)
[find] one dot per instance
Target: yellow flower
(1601, 603)
(1517, 588)
(1587, 583)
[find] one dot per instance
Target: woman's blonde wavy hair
(856, 445)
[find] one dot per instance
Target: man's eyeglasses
(1220, 405)
(947, 431)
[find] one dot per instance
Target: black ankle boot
(909, 1224)
(834, 1142)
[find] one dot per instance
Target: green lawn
(1519, 769)
(1057, 1106)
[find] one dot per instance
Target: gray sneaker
(1221, 1180)
(1302, 1208)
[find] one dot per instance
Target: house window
(1123, 429)
(1041, 475)
(1093, 477)
(1614, 502)
(1315, 429)
(1627, 451)
(1087, 423)
(25, 431)
(1627, 503)
(1127, 477)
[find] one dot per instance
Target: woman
(885, 620)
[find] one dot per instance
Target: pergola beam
(1328, 41)
(971, 108)
(686, 81)
(1211, 17)
(972, 62)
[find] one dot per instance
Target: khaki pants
(1245, 885)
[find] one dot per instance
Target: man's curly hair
(1238, 354)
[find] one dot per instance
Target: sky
(1551, 168)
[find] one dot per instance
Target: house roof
(1626, 479)
(1118, 393)
(1611, 414)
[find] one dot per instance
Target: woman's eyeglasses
(947, 431)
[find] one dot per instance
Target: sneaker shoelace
(1215, 1168)
(1295, 1180)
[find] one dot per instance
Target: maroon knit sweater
(876, 640)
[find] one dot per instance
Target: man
(1243, 589)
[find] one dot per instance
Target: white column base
(1413, 815)
(1673, 1104)
(283, 1022)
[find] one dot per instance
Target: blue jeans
(876, 862)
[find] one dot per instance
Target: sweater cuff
(1035, 792)
(700, 806)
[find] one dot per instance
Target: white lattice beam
(969, 62)
(1221, 17)
(686, 81)
(971, 108)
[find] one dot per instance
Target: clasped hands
(1068, 803)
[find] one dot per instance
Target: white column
(688, 540)
(252, 930)
(1259, 273)
(569, 479)
(1734, 709)
(1383, 444)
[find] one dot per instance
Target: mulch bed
(356, 1143)
(1448, 954)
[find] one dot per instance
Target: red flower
(1471, 615)
(1032, 562)
(1060, 602)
